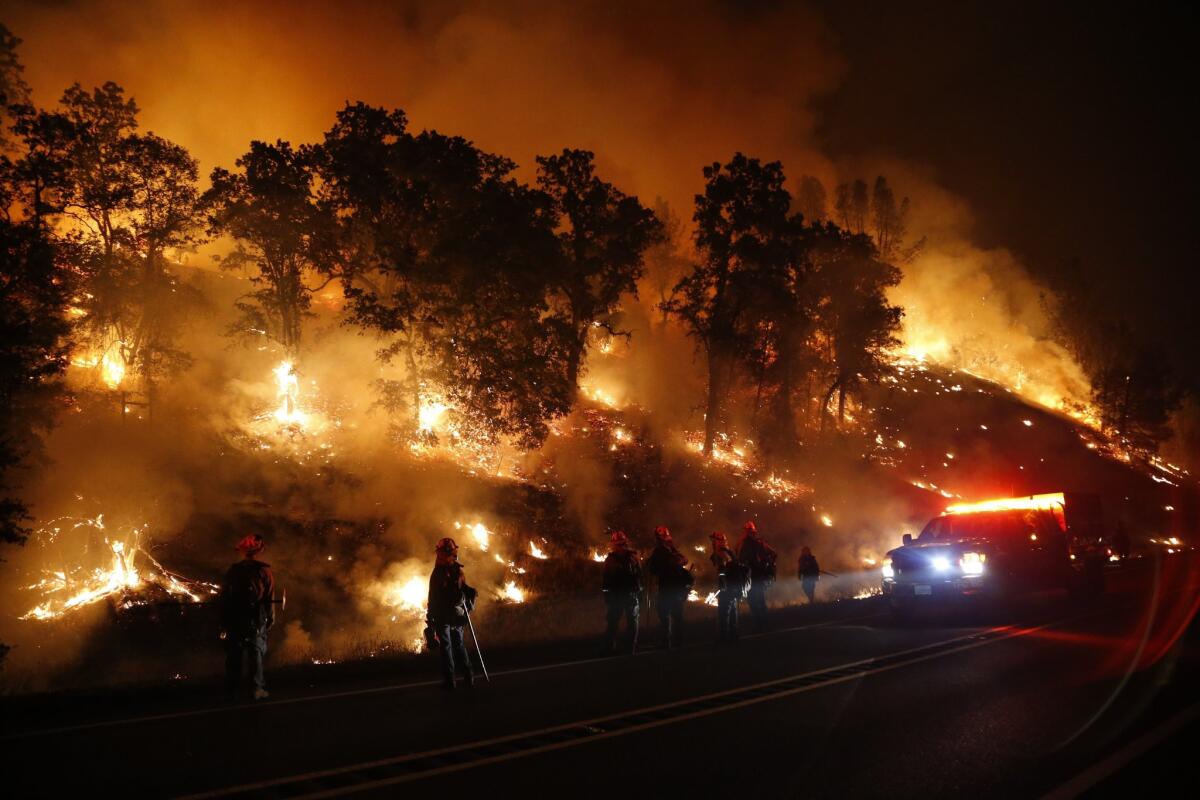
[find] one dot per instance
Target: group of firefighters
(745, 573)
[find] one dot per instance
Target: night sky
(1065, 125)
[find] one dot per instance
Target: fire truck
(996, 550)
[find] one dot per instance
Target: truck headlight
(972, 563)
(887, 570)
(941, 563)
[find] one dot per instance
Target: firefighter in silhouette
(809, 572)
(674, 581)
(622, 590)
(1121, 544)
(731, 586)
(247, 613)
(759, 557)
(450, 600)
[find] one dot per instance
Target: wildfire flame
(512, 593)
(288, 392)
(69, 589)
(480, 533)
(409, 596)
(536, 551)
(110, 362)
(430, 415)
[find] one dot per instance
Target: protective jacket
(246, 595)
(669, 568)
(809, 568)
(622, 572)
(758, 556)
(449, 595)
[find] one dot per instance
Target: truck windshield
(989, 526)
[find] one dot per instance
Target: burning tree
(450, 259)
(744, 235)
(603, 235)
(123, 204)
(854, 321)
(270, 211)
(786, 303)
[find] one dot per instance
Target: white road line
(599, 721)
(1103, 769)
(396, 687)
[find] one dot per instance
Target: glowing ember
(597, 555)
(827, 520)
(536, 551)
(598, 395)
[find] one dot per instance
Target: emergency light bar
(1036, 502)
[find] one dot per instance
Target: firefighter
(622, 589)
(760, 558)
(730, 587)
(247, 613)
(450, 600)
(809, 572)
(1121, 543)
(674, 580)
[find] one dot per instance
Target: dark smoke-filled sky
(1063, 124)
(1054, 131)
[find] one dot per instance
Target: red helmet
(446, 545)
(619, 539)
(251, 544)
(718, 537)
(750, 527)
(662, 534)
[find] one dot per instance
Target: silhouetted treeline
(795, 307)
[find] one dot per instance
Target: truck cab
(990, 550)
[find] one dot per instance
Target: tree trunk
(575, 359)
(823, 411)
(841, 403)
(712, 407)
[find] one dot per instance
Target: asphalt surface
(1060, 696)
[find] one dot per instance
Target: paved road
(833, 701)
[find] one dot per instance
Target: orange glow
(1037, 502)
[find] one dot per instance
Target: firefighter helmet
(446, 545)
(619, 539)
(251, 544)
(719, 537)
(662, 534)
(750, 527)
